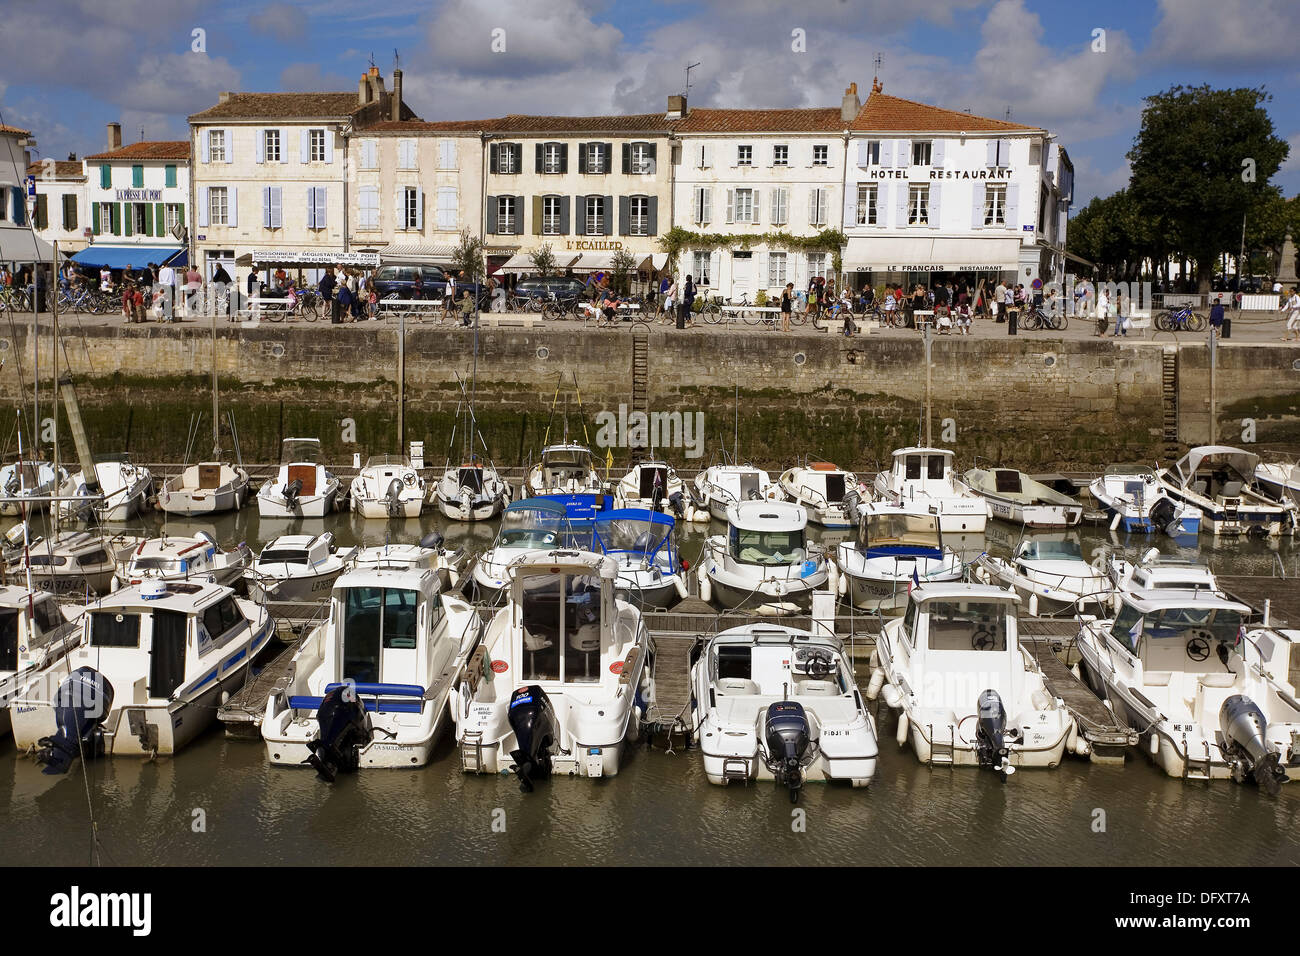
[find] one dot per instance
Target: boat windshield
(1132, 626)
(166, 565)
(967, 625)
(631, 536)
(283, 556)
(530, 528)
(471, 477)
(381, 461)
(921, 530)
(300, 450)
(1054, 551)
(376, 619)
(567, 458)
(767, 547)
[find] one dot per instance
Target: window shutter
(42, 218)
(399, 208)
(519, 213)
(627, 158)
(607, 216)
(448, 152)
(115, 213)
(234, 206)
(284, 145)
(259, 145)
(537, 215)
(708, 204)
(582, 157)
(129, 215)
(419, 207)
(540, 158)
(624, 215)
(812, 207)
(493, 157)
(564, 214)
(977, 207)
(886, 153)
(654, 215)
(936, 153)
(180, 215)
(277, 208)
(148, 218)
(492, 212)
(775, 215)
(447, 207)
(137, 176)
(756, 208)
(1004, 152)
(863, 159)
(322, 198)
(94, 218)
(903, 154)
(311, 207)
(203, 147)
(731, 205)
(936, 190)
(608, 149)
(1013, 206)
(654, 157)
(373, 152)
(306, 146)
(706, 155)
(169, 175)
(991, 153)
(230, 145)
(329, 145)
(266, 207)
(564, 157)
(160, 219)
(715, 267)
(900, 202)
(201, 217)
(70, 212)
(850, 208)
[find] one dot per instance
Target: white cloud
(539, 38)
(1225, 32)
(280, 20)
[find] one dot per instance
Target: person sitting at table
(942, 319)
(963, 318)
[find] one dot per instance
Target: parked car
(559, 287)
(400, 280)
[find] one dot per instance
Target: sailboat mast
(216, 422)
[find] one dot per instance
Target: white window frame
(639, 222)
(821, 155)
(316, 145)
(506, 219)
(745, 155)
(868, 205)
(105, 217)
(995, 205)
(506, 159)
(781, 155)
(551, 158)
(922, 152)
(171, 215)
(218, 206)
(701, 267)
(776, 270)
(748, 194)
(918, 205)
(217, 145)
(592, 215)
(702, 207)
(551, 215)
(272, 148)
(817, 206)
(816, 264)
(873, 152)
(410, 207)
(640, 159)
(595, 158)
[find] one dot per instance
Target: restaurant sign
(139, 195)
(313, 257)
(927, 267)
(992, 174)
(584, 245)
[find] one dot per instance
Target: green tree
(468, 257)
(1200, 163)
(621, 266)
(544, 261)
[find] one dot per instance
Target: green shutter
(160, 219)
(180, 214)
(137, 176)
(69, 211)
(42, 218)
(128, 219)
(105, 176)
(171, 174)
(94, 218)
(117, 218)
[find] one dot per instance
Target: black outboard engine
(532, 718)
(789, 744)
(433, 541)
(991, 733)
(1243, 724)
(678, 505)
(1163, 516)
(292, 490)
(80, 708)
(344, 730)
(394, 498)
(852, 504)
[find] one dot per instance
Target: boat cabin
(648, 473)
(173, 558)
(469, 476)
(532, 523)
(775, 663)
(926, 470)
(1168, 573)
(301, 460)
(893, 530)
(565, 464)
(961, 629)
(1042, 548)
(1172, 631)
(739, 483)
(821, 482)
(1216, 472)
(70, 553)
(767, 533)
(29, 621)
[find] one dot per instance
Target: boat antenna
(735, 433)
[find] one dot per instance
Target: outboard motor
(1164, 515)
(1243, 724)
(990, 735)
(393, 498)
(433, 541)
(344, 730)
(532, 718)
(678, 505)
(789, 744)
(852, 502)
(292, 490)
(80, 708)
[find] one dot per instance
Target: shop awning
(119, 257)
(435, 253)
(931, 254)
(522, 262)
(19, 245)
(593, 262)
(308, 258)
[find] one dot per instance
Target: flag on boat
(1135, 631)
(915, 582)
(1241, 636)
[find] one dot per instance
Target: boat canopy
(1038, 549)
(570, 456)
(767, 516)
(301, 450)
(900, 528)
(633, 531)
(379, 461)
(1240, 460)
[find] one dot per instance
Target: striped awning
(431, 252)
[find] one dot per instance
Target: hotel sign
(139, 195)
(993, 174)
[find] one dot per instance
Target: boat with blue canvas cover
(641, 541)
(1136, 503)
(1218, 480)
(528, 525)
(897, 545)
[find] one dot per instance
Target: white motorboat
(153, 664)
(820, 487)
(34, 633)
(1051, 576)
(926, 477)
(1280, 480)
(764, 562)
(388, 487)
(533, 524)
(1155, 571)
(122, 490)
(472, 491)
(718, 487)
(369, 686)
(564, 469)
(897, 546)
(1015, 497)
(775, 703)
(75, 562)
(1136, 502)
(967, 693)
(641, 541)
(655, 484)
(1208, 696)
(209, 487)
(35, 479)
(297, 568)
(1216, 480)
(567, 674)
(429, 553)
(302, 487)
(181, 558)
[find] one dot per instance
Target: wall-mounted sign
(139, 195)
(314, 257)
(994, 174)
(985, 267)
(1028, 228)
(582, 245)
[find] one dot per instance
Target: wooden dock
(242, 713)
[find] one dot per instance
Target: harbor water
(220, 803)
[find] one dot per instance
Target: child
(891, 306)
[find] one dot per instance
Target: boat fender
(893, 696)
(902, 729)
(225, 696)
(113, 585)
(877, 681)
(1077, 674)
(875, 657)
(843, 588)
(833, 579)
(706, 586)
(682, 591)
(1082, 747)
(1072, 737)
(1114, 522)
(1033, 605)
(1153, 744)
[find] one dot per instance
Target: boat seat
(1231, 489)
(816, 688)
(585, 638)
(1218, 680)
(736, 686)
(1156, 678)
(308, 475)
(1200, 486)
(535, 642)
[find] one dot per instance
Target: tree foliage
(544, 261)
(468, 256)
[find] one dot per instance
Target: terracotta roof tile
(890, 114)
(816, 120)
(63, 169)
(150, 149)
(634, 122)
(281, 106)
(422, 126)
(14, 129)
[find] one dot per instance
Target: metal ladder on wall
(640, 369)
(1169, 400)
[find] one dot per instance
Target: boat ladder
(735, 768)
(1201, 762)
(942, 754)
(471, 752)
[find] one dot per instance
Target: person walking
(1103, 312)
(1217, 316)
(1292, 309)
(449, 296)
(670, 300)
(326, 289)
(787, 303)
(1121, 323)
(193, 288)
(688, 300)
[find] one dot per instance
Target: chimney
(223, 97)
(114, 136)
(397, 96)
(376, 85)
(676, 107)
(363, 90)
(850, 106)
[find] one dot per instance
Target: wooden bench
(521, 320)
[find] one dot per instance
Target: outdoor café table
(415, 307)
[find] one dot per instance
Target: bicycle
(711, 311)
(1180, 320)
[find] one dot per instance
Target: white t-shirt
(105, 279)
(1293, 303)
(166, 276)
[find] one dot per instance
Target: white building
(18, 245)
(136, 202)
(752, 175)
(61, 203)
(937, 194)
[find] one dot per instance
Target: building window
(821, 155)
(368, 207)
(873, 152)
(551, 158)
(867, 212)
(641, 161)
(141, 214)
(316, 145)
(506, 158)
(744, 205)
(918, 206)
(700, 267)
(595, 212)
(780, 155)
(410, 208)
(744, 155)
(271, 145)
(216, 145)
(506, 210)
(406, 154)
(218, 211)
(816, 264)
(995, 205)
(921, 152)
(817, 207)
(595, 158)
(780, 206)
(703, 205)
(550, 215)
(106, 217)
(776, 269)
(640, 224)
(172, 215)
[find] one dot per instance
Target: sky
(69, 67)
